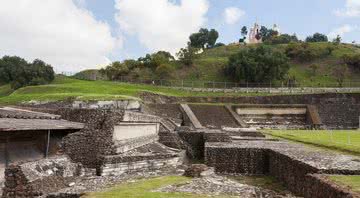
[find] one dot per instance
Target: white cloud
(56, 31)
(352, 9)
(232, 15)
(161, 24)
(80, 3)
(341, 31)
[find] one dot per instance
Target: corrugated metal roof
(14, 124)
(9, 112)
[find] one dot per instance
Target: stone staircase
(276, 121)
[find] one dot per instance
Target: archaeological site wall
(90, 144)
(41, 177)
(292, 165)
(336, 110)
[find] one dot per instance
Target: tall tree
(317, 37)
(244, 33)
(337, 40)
(204, 38)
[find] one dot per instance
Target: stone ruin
(124, 141)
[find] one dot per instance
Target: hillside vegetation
(209, 65)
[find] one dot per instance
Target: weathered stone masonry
(291, 164)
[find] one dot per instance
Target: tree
(340, 73)
(204, 38)
(282, 39)
(266, 34)
(212, 38)
(164, 71)
(260, 64)
(115, 71)
(337, 40)
(19, 73)
(244, 33)
(154, 60)
(317, 37)
(187, 55)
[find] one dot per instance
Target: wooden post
(47, 144)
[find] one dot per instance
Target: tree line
(19, 73)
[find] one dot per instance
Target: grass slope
(210, 64)
(141, 189)
(5, 90)
(63, 88)
(352, 181)
(347, 141)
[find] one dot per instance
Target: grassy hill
(68, 88)
(210, 64)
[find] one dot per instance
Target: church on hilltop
(254, 37)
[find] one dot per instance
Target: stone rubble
(218, 185)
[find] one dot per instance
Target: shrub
(164, 71)
(305, 52)
(260, 64)
(352, 61)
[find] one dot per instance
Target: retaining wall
(320, 186)
(295, 174)
(88, 145)
(336, 110)
(121, 166)
(40, 178)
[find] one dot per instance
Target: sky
(73, 35)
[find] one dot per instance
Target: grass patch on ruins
(68, 88)
(144, 188)
(351, 181)
(265, 182)
(342, 140)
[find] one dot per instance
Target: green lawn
(63, 88)
(348, 141)
(143, 188)
(5, 90)
(352, 181)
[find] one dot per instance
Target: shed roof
(9, 112)
(13, 124)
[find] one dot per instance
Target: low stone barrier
(40, 178)
(289, 163)
(320, 186)
(149, 163)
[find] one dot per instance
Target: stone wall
(237, 160)
(88, 145)
(195, 141)
(289, 171)
(336, 110)
(320, 186)
(120, 166)
(40, 178)
(280, 163)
